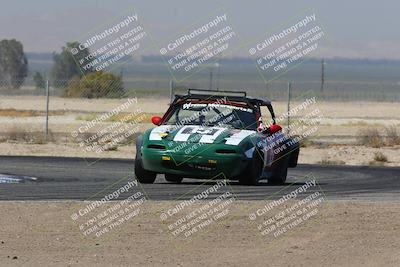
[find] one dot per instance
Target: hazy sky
(357, 29)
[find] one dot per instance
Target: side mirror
(274, 128)
(156, 120)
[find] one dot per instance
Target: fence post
(289, 85)
(46, 132)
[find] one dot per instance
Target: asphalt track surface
(52, 178)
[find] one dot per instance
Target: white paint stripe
(236, 138)
(183, 137)
(209, 139)
(155, 133)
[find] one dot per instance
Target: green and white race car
(215, 134)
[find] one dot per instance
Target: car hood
(199, 134)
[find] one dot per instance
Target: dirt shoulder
(160, 104)
(335, 154)
(340, 234)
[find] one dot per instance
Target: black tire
(294, 156)
(279, 174)
(173, 178)
(142, 175)
(253, 173)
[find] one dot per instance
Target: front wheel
(280, 173)
(142, 175)
(253, 172)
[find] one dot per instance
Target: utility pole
(218, 72)
(322, 75)
(289, 85)
(211, 77)
(46, 131)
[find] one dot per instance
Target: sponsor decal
(195, 106)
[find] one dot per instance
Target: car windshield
(213, 114)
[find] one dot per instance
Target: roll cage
(231, 97)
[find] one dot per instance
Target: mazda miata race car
(215, 134)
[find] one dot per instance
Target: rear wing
(215, 92)
(234, 96)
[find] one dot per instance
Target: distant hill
(239, 69)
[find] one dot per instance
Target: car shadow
(234, 183)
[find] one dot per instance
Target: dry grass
(87, 117)
(374, 138)
(18, 134)
(379, 156)
(91, 139)
(392, 136)
(374, 163)
(28, 113)
(305, 141)
(370, 137)
(379, 159)
(133, 118)
(125, 117)
(331, 162)
(356, 123)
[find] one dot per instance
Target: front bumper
(201, 165)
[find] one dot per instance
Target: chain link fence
(276, 90)
(54, 110)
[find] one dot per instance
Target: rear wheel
(172, 178)
(253, 173)
(142, 175)
(279, 174)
